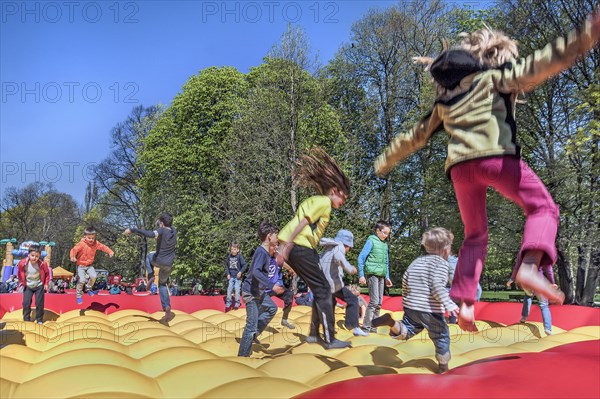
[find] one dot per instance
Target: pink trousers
(514, 179)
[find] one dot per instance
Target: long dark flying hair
(317, 170)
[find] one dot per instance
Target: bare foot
(466, 318)
(530, 279)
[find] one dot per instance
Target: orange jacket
(85, 253)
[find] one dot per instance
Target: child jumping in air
(162, 258)
(83, 254)
(477, 87)
(302, 234)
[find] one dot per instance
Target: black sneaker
(385, 320)
(337, 344)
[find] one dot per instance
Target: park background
(221, 155)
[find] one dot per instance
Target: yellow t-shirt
(317, 210)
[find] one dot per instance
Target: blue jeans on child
(415, 321)
(163, 278)
(234, 284)
(259, 312)
(546, 315)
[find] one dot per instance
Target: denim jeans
(543, 303)
(376, 286)
(149, 260)
(163, 277)
(415, 321)
(259, 312)
(234, 284)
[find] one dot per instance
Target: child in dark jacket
(260, 308)
(235, 266)
(163, 258)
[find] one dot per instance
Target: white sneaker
(359, 332)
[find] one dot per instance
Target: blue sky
(70, 71)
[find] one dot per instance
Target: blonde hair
(492, 48)
(435, 240)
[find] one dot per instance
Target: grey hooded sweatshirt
(333, 263)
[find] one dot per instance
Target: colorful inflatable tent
(13, 256)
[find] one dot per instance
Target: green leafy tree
(559, 135)
(183, 163)
(38, 212)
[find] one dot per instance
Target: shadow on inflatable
(115, 347)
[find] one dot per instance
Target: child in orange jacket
(83, 254)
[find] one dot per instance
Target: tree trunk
(144, 253)
(592, 279)
(580, 276)
(565, 276)
(386, 200)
